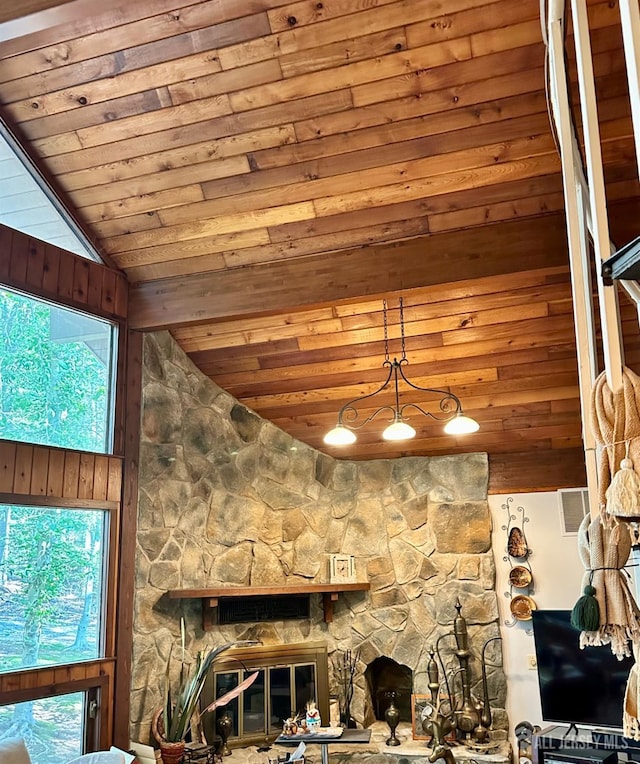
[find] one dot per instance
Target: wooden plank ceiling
(266, 173)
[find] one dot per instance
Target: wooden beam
(537, 470)
(338, 276)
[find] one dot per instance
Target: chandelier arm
(443, 407)
(350, 418)
(446, 394)
(351, 405)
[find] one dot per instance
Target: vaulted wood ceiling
(267, 172)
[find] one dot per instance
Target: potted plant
(172, 722)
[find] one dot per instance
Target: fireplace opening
(289, 676)
(383, 676)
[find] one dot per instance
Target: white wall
(557, 574)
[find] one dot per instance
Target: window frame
(44, 271)
(108, 594)
(95, 688)
(97, 674)
(111, 371)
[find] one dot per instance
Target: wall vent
(263, 608)
(574, 505)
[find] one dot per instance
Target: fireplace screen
(288, 677)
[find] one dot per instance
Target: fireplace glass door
(289, 676)
(276, 694)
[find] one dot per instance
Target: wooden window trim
(74, 282)
(18, 686)
(48, 681)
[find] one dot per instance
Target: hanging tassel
(623, 495)
(585, 615)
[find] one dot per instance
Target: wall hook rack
(517, 554)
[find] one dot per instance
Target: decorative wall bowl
(519, 576)
(522, 607)
(517, 543)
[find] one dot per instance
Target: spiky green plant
(177, 710)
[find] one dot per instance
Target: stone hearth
(225, 498)
(377, 752)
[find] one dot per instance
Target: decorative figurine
(313, 717)
(290, 726)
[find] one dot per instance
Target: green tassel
(585, 615)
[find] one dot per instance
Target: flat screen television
(581, 687)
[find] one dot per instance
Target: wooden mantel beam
(337, 276)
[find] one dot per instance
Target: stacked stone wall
(226, 498)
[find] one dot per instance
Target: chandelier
(350, 419)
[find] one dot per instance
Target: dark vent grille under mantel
(261, 609)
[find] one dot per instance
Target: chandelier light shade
(340, 436)
(399, 430)
(461, 425)
(449, 406)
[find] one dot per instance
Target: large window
(51, 577)
(56, 372)
(57, 724)
(62, 547)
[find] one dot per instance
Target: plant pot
(171, 753)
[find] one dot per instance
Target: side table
(348, 736)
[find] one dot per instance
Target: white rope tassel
(623, 495)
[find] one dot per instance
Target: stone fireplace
(226, 498)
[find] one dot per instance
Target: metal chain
(386, 333)
(386, 329)
(404, 354)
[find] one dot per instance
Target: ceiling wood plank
(433, 352)
(344, 51)
(214, 30)
(539, 471)
(267, 172)
(202, 124)
(484, 359)
(410, 143)
(357, 316)
(459, 255)
(424, 126)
